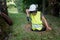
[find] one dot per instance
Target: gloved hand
(28, 19)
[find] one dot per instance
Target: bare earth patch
(27, 28)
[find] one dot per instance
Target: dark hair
(33, 11)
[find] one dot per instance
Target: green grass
(19, 22)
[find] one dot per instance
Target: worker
(37, 19)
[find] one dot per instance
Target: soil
(28, 29)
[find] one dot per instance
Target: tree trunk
(4, 20)
(4, 12)
(5, 7)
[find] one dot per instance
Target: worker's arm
(27, 12)
(45, 23)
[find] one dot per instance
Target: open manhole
(27, 28)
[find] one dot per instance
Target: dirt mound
(28, 28)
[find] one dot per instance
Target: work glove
(28, 19)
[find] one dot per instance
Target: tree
(3, 12)
(4, 20)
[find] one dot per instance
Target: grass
(19, 22)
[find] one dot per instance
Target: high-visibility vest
(36, 19)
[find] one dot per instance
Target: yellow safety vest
(36, 19)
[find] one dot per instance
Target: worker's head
(33, 9)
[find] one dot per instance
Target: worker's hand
(49, 28)
(28, 19)
(27, 10)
